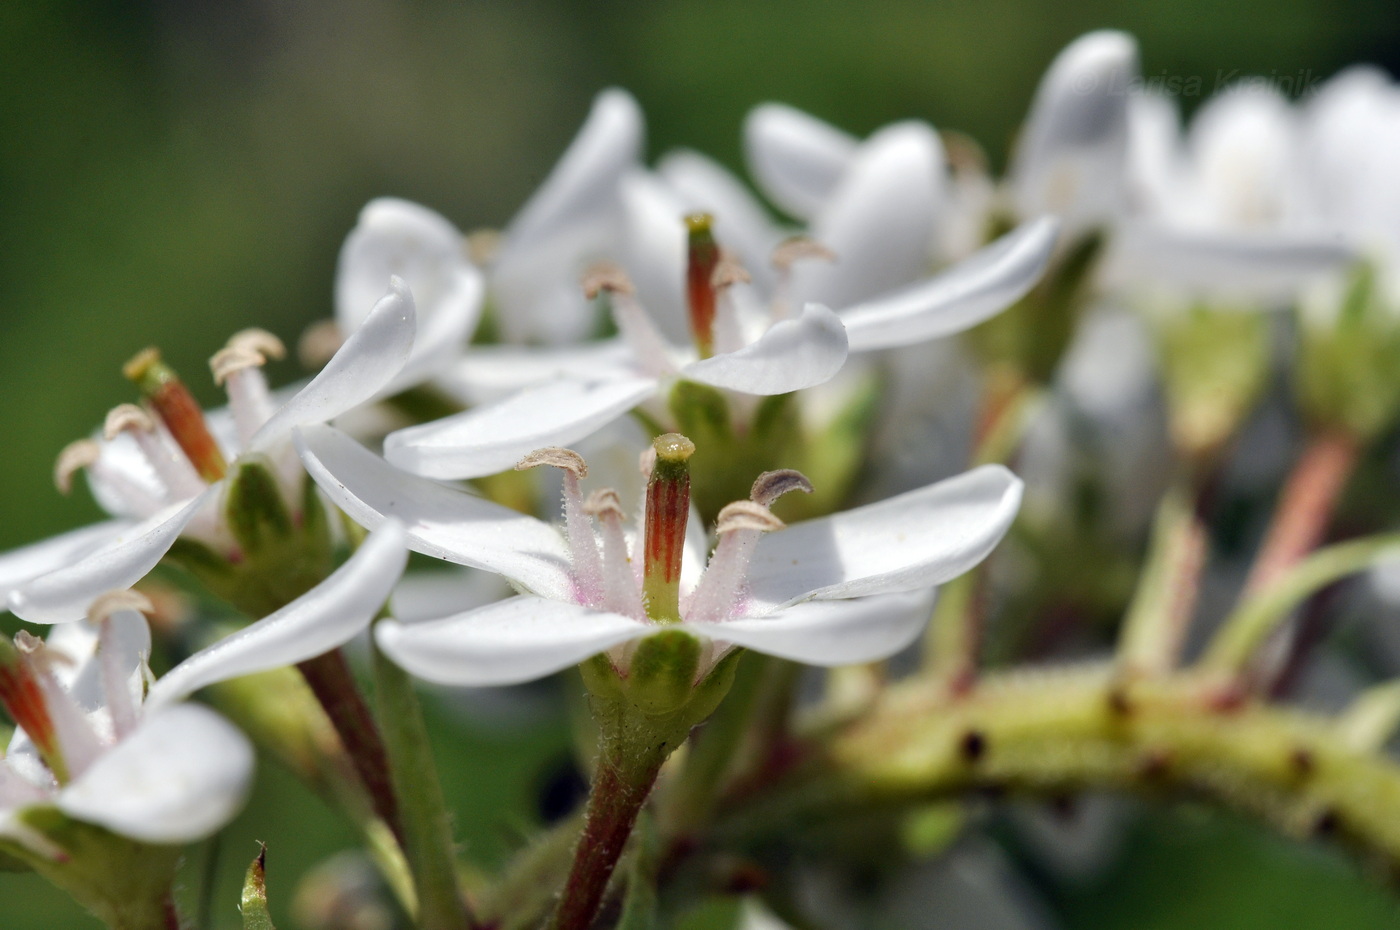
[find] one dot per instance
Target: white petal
(487, 373)
(792, 355)
(879, 221)
(492, 438)
(81, 672)
(427, 595)
(1072, 155)
(516, 640)
(797, 159)
(585, 178)
(442, 522)
(1244, 158)
(445, 331)
(179, 777)
(829, 633)
(63, 595)
(28, 562)
(976, 288)
(915, 540)
(1224, 265)
(363, 367)
(654, 251)
(741, 224)
(394, 238)
(327, 616)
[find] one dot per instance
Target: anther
(260, 341)
(77, 455)
(481, 246)
(603, 502)
(175, 473)
(771, 485)
(729, 272)
(27, 643)
(232, 359)
(125, 417)
(117, 601)
(567, 459)
(620, 591)
(319, 343)
(746, 515)
(799, 248)
(606, 277)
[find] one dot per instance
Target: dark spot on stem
(1302, 761)
(1327, 823)
(1118, 702)
(973, 746)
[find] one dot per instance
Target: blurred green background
(173, 171)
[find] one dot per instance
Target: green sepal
(254, 900)
(125, 883)
(663, 670)
(1346, 371)
(1031, 335)
(254, 508)
(1215, 365)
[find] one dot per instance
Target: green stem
(951, 647)
(1165, 599)
(426, 823)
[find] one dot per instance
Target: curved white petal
(796, 159)
(584, 180)
(829, 633)
(394, 238)
(28, 562)
(1224, 265)
(492, 438)
(427, 595)
(63, 595)
(506, 643)
(879, 220)
(445, 331)
(976, 288)
(442, 522)
(915, 540)
(654, 251)
(180, 776)
(327, 616)
(486, 373)
(1245, 171)
(791, 356)
(741, 223)
(80, 670)
(1072, 156)
(363, 367)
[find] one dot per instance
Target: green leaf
(639, 905)
(255, 914)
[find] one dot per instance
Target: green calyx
(1346, 369)
(1215, 362)
(283, 551)
(662, 683)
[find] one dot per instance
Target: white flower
(159, 485)
(567, 225)
(843, 589)
(104, 744)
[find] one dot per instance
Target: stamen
(702, 255)
(729, 337)
(621, 592)
(174, 471)
(179, 411)
(77, 455)
(739, 527)
(583, 546)
(788, 253)
(238, 366)
(43, 709)
(772, 485)
(318, 343)
(668, 509)
(632, 321)
(112, 664)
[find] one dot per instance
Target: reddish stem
(333, 683)
(1305, 506)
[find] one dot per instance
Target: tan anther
(567, 459)
(125, 417)
(481, 246)
(27, 643)
(116, 601)
(772, 485)
(75, 456)
(746, 515)
(318, 343)
(606, 277)
(965, 155)
(729, 272)
(799, 248)
(232, 359)
(603, 501)
(259, 341)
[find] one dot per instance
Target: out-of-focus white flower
(103, 743)
(164, 472)
(848, 588)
